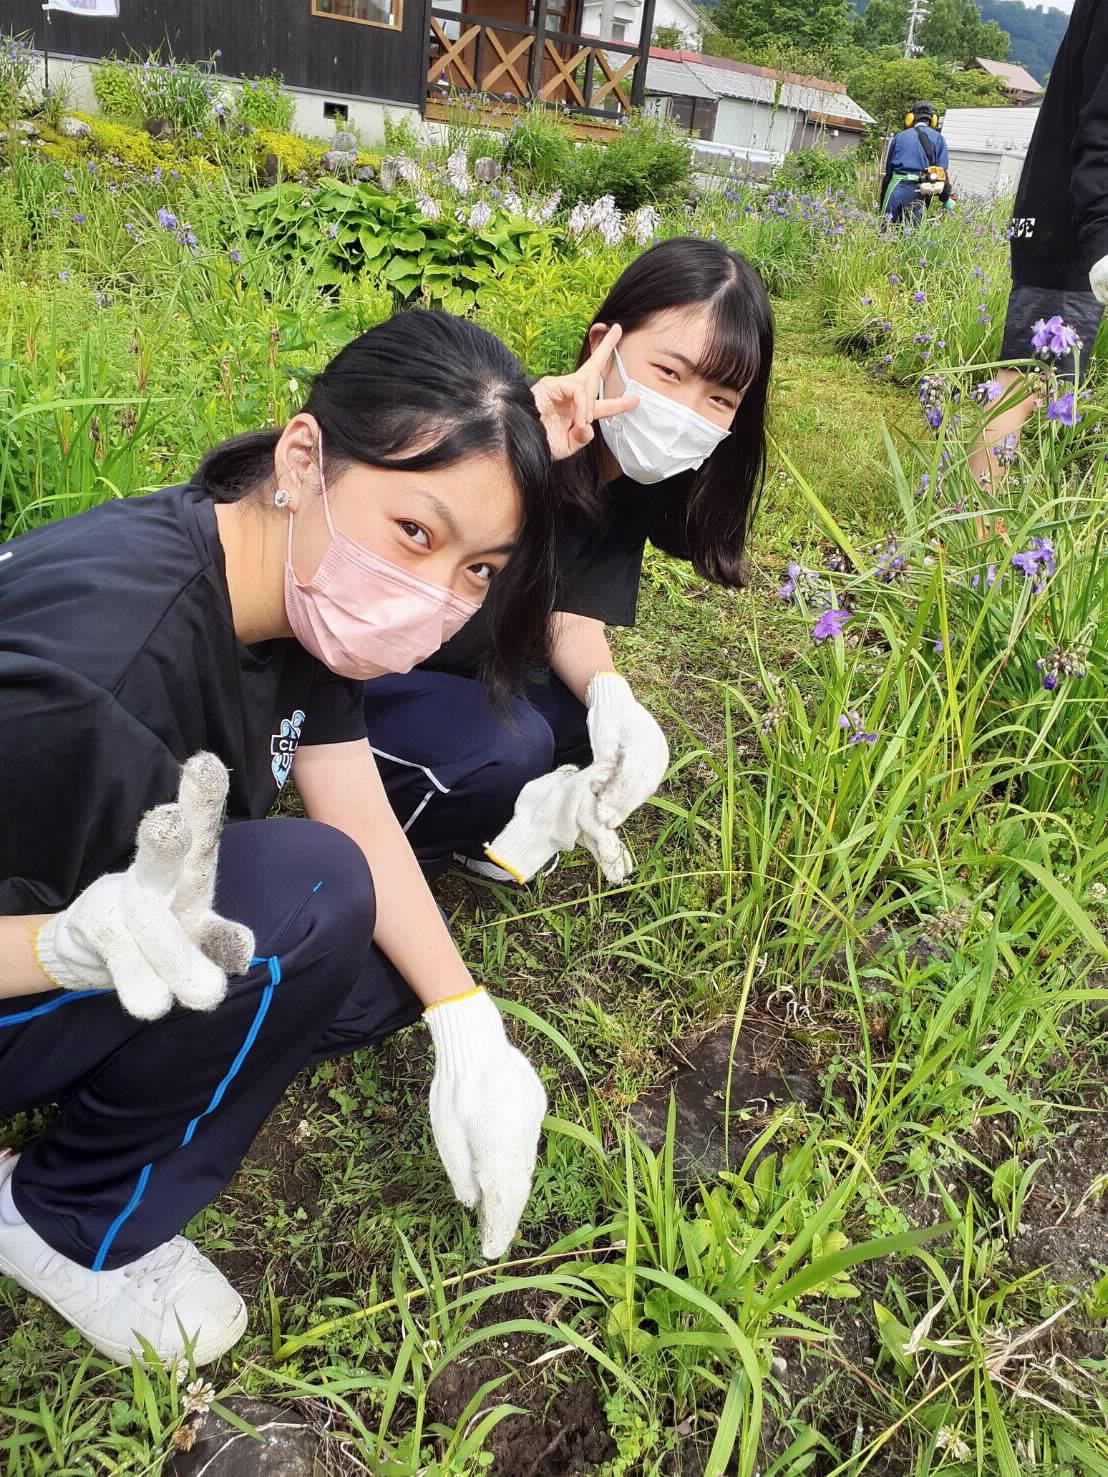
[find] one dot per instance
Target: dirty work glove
(487, 1107)
(149, 933)
(1098, 280)
(627, 744)
(554, 813)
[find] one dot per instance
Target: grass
(900, 1269)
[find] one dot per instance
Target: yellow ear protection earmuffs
(921, 113)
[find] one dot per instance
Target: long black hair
(704, 516)
(441, 383)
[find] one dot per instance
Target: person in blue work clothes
(169, 659)
(681, 468)
(917, 165)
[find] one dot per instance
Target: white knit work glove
(149, 933)
(487, 1106)
(555, 813)
(627, 744)
(1098, 280)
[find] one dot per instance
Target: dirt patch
(559, 1435)
(765, 1069)
(1064, 1222)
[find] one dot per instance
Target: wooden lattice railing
(504, 59)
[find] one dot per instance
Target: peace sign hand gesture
(569, 403)
(150, 933)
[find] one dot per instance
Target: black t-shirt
(118, 660)
(599, 562)
(1060, 218)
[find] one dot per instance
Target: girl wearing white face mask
(682, 469)
(170, 658)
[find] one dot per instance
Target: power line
(916, 16)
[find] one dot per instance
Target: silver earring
(282, 498)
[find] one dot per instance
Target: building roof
(989, 130)
(1015, 78)
(688, 74)
(675, 80)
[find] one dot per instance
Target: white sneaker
(481, 867)
(148, 1297)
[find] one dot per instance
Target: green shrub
(263, 103)
(344, 229)
(401, 135)
(815, 169)
(117, 91)
(539, 146)
(647, 162)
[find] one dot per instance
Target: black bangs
(705, 519)
(733, 353)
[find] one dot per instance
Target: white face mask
(660, 437)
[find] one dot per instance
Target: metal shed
(987, 147)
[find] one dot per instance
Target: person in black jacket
(166, 656)
(1059, 231)
(681, 470)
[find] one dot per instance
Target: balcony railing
(515, 62)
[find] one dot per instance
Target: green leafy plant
(345, 229)
(262, 102)
(648, 162)
(117, 90)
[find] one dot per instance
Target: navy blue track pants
(155, 1117)
(453, 766)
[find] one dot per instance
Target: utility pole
(916, 15)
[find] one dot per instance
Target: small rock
(365, 172)
(158, 127)
(486, 169)
(389, 174)
(344, 142)
(335, 161)
(25, 127)
(271, 169)
(74, 128)
(288, 1446)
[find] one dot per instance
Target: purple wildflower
(79, 220)
(850, 719)
(938, 646)
(1041, 553)
(63, 276)
(919, 297)
(830, 623)
(990, 390)
(1052, 336)
(236, 257)
(167, 221)
(788, 589)
(1064, 410)
(990, 578)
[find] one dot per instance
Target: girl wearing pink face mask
(163, 977)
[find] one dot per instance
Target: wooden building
(406, 53)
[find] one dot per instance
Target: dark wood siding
(254, 36)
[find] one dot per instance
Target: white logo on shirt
(283, 746)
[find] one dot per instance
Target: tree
(887, 88)
(810, 25)
(668, 38)
(885, 23)
(954, 31)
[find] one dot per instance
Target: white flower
(1098, 892)
(578, 220)
(512, 203)
(548, 207)
(198, 1397)
(612, 229)
(948, 1440)
(457, 169)
(428, 206)
(480, 215)
(644, 223)
(407, 169)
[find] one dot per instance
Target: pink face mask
(363, 616)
